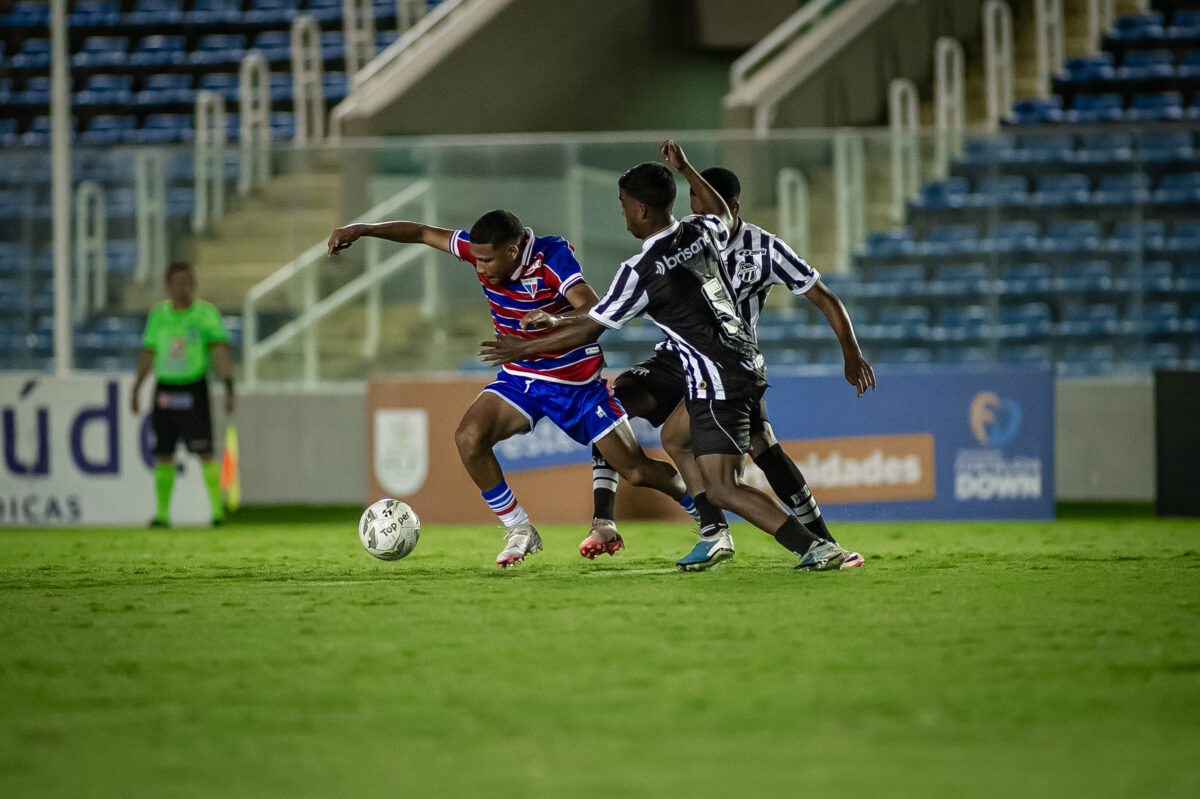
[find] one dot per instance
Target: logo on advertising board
(884, 468)
(988, 473)
(401, 449)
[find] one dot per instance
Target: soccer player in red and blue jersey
(521, 273)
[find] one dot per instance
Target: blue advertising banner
(934, 444)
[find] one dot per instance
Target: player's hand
(859, 373)
(502, 350)
(539, 320)
(343, 237)
(672, 153)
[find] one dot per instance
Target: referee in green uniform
(181, 333)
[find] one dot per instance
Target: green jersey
(181, 339)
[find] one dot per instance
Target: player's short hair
(650, 183)
(180, 266)
(724, 182)
(496, 228)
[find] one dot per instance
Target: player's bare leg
(488, 421)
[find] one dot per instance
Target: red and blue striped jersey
(548, 270)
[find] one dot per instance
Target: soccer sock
(164, 481)
(212, 481)
(504, 504)
(788, 483)
(604, 487)
(689, 505)
(712, 518)
(792, 536)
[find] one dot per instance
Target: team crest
(531, 285)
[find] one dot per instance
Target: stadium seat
(36, 92)
(38, 134)
(226, 84)
(1185, 26)
(1178, 189)
(1130, 237)
(8, 132)
(1146, 65)
(904, 280)
(154, 13)
(274, 46)
(270, 12)
(1184, 237)
(1029, 354)
(102, 51)
(219, 48)
(948, 240)
(941, 194)
(1060, 190)
(336, 85)
(903, 322)
(34, 53)
(280, 86)
(29, 14)
(1036, 112)
(1162, 355)
(1140, 29)
(991, 150)
(1096, 108)
(1104, 148)
(1086, 70)
(384, 39)
(1189, 69)
(1056, 148)
(905, 356)
(1025, 280)
(1150, 277)
(333, 46)
(1155, 107)
(960, 280)
(1154, 318)
(965, 323)
(324, 10)
(164, 129)
(1075, 236)
(1087, 360)
(1010, 237)
(1000, 191)
(1161, 147)
(155, 51)
(885, 244)
(1090, 321)
(1189, 282)
(1122, 190)
(283, 126)
(5, 90)
(165, 89)
(94, 14)
(1085, 277)
(109, 129)
(180, 202)
(207, 13)
(105, 90)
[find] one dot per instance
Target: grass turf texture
(274, 658)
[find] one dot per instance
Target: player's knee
(469, 439)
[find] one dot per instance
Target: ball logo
(994, 421)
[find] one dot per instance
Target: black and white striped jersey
(677, 279)
(755, 260)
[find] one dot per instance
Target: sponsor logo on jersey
(679, 257)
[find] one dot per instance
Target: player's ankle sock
(712, 518)
(689, 505)
(504, 504)
(604, 487)
(164, 481)
(212, 481)
(792, 536)
(788, 483)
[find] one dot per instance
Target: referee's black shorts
(723, 427)
(181, 411)
(660, 376)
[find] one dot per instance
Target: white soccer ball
(389, 529)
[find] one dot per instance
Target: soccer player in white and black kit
(677, 279)
(755, 260)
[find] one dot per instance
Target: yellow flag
(231, 481)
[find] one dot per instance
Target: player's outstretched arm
(707, 198)
(400, 232)
(858, 372)
(569, 332)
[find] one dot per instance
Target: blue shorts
(585, 413)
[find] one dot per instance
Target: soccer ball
(389, 529)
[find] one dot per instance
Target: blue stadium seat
(940, 194)
(223, 83)
(1025, 280)
(274, 46)
(948, 240)
(102, 51)
(164, 129)
(105, 90)
(1163, 355)
(38, 134)
(961, 280)
(1146, 64)
(889, 243)
(1131, 237)
(218, 48)
(94, 14)
(1161, 147)
(1141, 28)
(1155, 107)
(28, 14)
(5, 90)
(1037, 112)
(166, 88)
(1185, 24)
(283, 126)
(1189, 282)
(271, 12)
(333, 46)
(1060, 190)
(1087, 69)
(121, 203)
(325, 10)
(336, 85)
(1104, 148)
(109, 129)
(1090, 321)
(280, 86)
(206, 13)
(1154, 318)
(1029, 354)
(1096, 108)
(991, 150)
(1010, 237)
(1150, 277)
(180, 202)
(1189, 69)
(1025, 321)
(1184, 238)
(1193, 110)
(154, 13)
(36, 92)
(904, 280)
(1087, 360)
(1056, 148)
(8, 132)
(1178, 189)
(122, 257)
(155, 51)
(1085, 277)
(1122, 189)
(1001, 191)
(384, 39)
(904, 322)
(34, 53)
(904, 356)
(843, 285)
(967, 323)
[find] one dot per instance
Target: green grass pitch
(274, 658)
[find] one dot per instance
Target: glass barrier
(1072, 247)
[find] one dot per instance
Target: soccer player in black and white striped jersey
(755, 260)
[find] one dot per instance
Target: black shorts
(722, 427)
(181, 411)
(661, 376)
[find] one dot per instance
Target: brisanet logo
(988, 473)
(680, 257)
